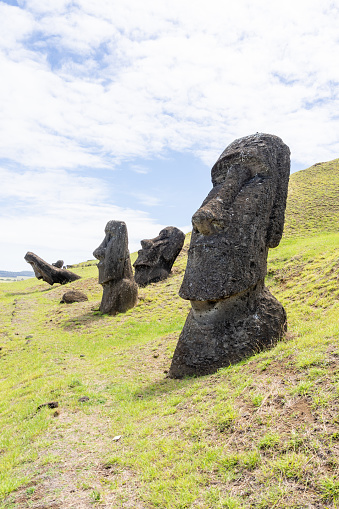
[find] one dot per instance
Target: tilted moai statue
(120, 291)
(49, 273)
(233, 315)
(156, 258)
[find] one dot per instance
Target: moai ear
(277, 218)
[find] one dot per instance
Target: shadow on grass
(166, 385)
(88, 318)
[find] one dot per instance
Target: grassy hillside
(261, 434)
(313, 200)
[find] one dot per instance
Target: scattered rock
(83, 399)
(120, 291)
(73, 296)
(51, 404)
(115, 439)
(233, 315)
(156, 258)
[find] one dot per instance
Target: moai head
(58, 264)
(156, 258)
(239, 220)
(112, 252)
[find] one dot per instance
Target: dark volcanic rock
(156, 258)
(233, 315)
(59, 264)
(49, 273)
(120, 291)
(51, 404)
(73, 296)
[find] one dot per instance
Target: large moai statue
(156, 258)
(233, 315)
(49, 273)
(120, 292)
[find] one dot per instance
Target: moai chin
(156, 258)
(233, 315)
(120, 292)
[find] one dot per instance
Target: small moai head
(112, 252)
(239, 220)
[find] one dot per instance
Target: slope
(313, 200)
(260, 434)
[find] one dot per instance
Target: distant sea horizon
(24, 273)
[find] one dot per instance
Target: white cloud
(142, 77)
(91, 84)
(58, 215)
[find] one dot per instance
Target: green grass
(262, 433)
(313, 200)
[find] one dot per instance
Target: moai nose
(203, 222)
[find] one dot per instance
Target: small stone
(29, 337)
(73, 296)
(115, 439)
(156, 355)
(51, 404)
(83, 399)
(82, 355)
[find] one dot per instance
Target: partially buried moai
(120, 292)
(233, 315)
(156, 258)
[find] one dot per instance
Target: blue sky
(118, 110)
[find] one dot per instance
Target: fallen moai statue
(233, 315)
(120, 291)
(49, 273)
(156, 258)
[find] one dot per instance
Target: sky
(114, 109)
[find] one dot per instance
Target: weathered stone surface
(58, 264)
(233, 315)
(73, 296)
(156, 258)
(120, 291)
(47, 272)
